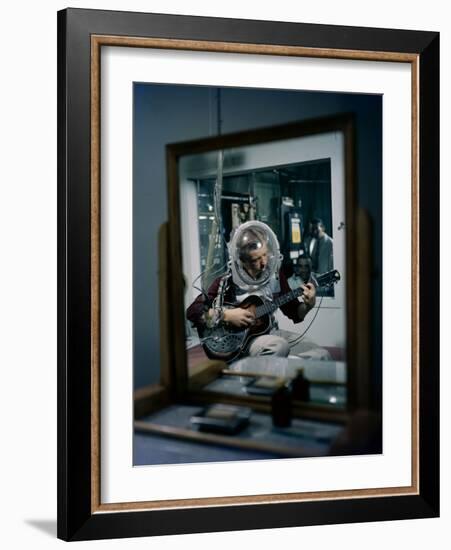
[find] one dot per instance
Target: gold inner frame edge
(97, 41)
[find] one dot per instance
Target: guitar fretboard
(323, 280)
(269, 307)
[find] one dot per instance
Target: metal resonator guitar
(226, 342)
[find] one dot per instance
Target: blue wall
(167, 114)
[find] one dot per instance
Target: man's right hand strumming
(239, 317)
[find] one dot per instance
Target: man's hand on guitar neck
(309, 295)
(308, 300)
(239, 317)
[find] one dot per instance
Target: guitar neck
(269, 307)
(322, 280)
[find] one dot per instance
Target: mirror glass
(263, 255)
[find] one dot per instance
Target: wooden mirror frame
(358, 356)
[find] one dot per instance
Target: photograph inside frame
(257, 286)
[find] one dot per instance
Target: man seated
(254, 270)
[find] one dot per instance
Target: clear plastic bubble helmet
(250, 241)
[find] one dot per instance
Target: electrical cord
(202, 290)
(217, 197)
(218, 220)
(298, 339)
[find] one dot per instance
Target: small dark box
(221, 418)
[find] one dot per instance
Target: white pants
(282, 343)
(269, 344)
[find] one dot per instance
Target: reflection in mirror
(263, 246)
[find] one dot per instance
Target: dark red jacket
(197, 308)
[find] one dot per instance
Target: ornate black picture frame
(81, 35)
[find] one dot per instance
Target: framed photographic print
(248, 274)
